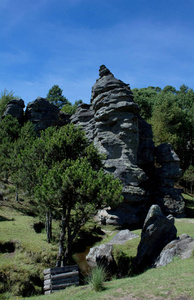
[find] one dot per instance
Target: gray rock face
(169, 199)
(122, 237)
(16, 109)
(183, 247)
(43, 114)
(113, 123)
(102, 255)
(84, 117)
(145, 154)
(158, 230)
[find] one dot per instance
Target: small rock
(122, 237)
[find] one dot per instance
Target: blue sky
(47, 42)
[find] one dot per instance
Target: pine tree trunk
(49, 225)
(16, 196)
(61, 242)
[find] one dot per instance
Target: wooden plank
(61, 284)
(46, 271)
(53, 281)
(61, 281)
(59, 270)
(47, 287)
(48, 276)
(66, 269)
(64, 275)
(47, 282)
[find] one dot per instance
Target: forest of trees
(171, 114)
(75, 185)
(61, 172)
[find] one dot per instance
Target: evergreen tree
(9, 132)
(65, 173)
(55, 96)
(4, 100)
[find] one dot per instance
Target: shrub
(97, 278)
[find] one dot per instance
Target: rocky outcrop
(165, 195)
(102, 255)
(16, 109)
(122, 237)
(158, 230)
(182, 247)
(44, 114)
(84, 117)
(113, 123)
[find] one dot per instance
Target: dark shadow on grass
(2, 219)
(20, 207)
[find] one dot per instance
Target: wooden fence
(56, 279)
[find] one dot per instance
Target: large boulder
(16, 109)
(44, 114)
(182, 247)
(102, 255)
(158, 230)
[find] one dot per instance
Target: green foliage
(189, 205)
(124, 263)
(55, 96)
(9, 132)
(189, 177)
(171, 123)
(171, 114)
(97, 278)
(167, 121)
(145, 97)
(71, 109)
(189, 174)
(4, 100)
(64, 172)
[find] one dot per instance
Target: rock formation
(182, 247)
(113, 123)
(122, 237)
(16, 109)
(102, 255)
(165, 195)
(43, 114)
(158, 230)
(40, 112)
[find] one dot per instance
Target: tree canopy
(64, 172)
(4, 100)
(56, 97)
(171, 114)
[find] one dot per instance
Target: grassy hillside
(24, 254)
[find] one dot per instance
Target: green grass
(33, 254)
(189, 205)
(169, 282)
